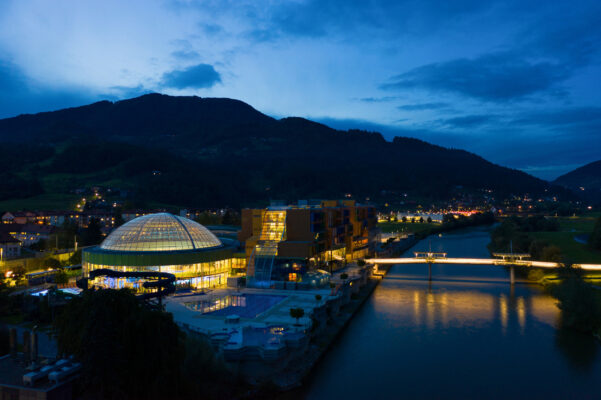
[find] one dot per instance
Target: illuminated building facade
(283, 243)
(9, 247)
(161, 243)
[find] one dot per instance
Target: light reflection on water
(457, 306)
(465, 334)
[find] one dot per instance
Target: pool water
(246, 305)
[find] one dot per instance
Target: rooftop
(160, 232)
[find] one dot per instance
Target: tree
(75, 258)
(61, 277)
(92, 234)
(448, 218)
(429, 220)
(361, 262)
(421, 220)
(404, 219)
(595, 238)
(110, 332)
(551, 253)
(118, 218)
(578, 301)
(4, 341)
(297, 313)
(231, 217)
(51, 263)
(344, 276)
(536, 249)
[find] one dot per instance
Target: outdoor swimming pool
(246, 305)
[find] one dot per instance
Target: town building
(29, 233)
(9, 247)
(162, 242)
(20, 217)
(55, 218)
(285, 243)
(420, 217)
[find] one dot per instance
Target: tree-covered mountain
(585, 180)
(208, 152)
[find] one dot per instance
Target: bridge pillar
(511, 275)
(429, 271)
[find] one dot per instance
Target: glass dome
(160, 232)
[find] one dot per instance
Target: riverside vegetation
(577, 293)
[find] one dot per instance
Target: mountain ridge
(584, 180)
(247, 152)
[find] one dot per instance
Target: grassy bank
(547, 238)
(569, 228)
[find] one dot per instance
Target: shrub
(61, 277)
(578, 301)
(595, 238)
(535, 275)
(551, 253)
(52, 263)
(297, 313)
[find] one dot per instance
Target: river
(465, 334)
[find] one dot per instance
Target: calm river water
(467, 334)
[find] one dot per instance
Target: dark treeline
(131, 351)
(595, 238)
(513, 234)
(579, 301)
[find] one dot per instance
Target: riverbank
(297, 372)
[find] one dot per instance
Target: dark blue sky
(518, 82)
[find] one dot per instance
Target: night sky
(517, 82)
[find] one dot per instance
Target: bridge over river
(502, 259)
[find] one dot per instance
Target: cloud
(562, 118)
(572, 34)
(384, 99)
(469, 121)
(11, 78)
(423, 106)
(271, 21)
(196, 77)
(211, 29)
(19, 94)
(125, 92)
(496, 77)
(185, 54)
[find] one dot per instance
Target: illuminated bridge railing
(479, 261)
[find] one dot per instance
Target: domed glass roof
(160, 232)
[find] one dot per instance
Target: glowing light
(478, 261)
(503, 309)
